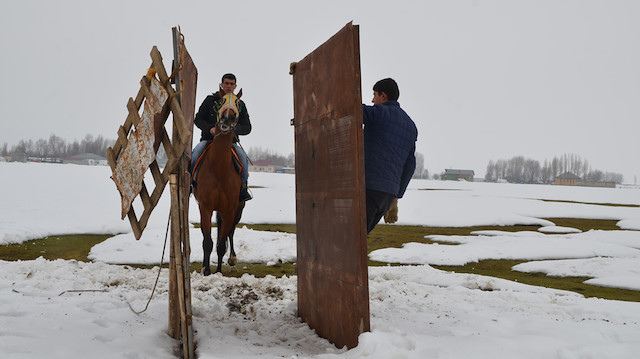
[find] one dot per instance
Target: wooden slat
(111, 158)
(168, 147)
(128, 122)
(174, 105)
(139, 99)
(122, 140)
(144, 196)
(135, 225)
(133, 117)
(155, 172)
(144, 218)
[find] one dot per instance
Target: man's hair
(388, 86)
(229, 77)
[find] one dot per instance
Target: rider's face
(228, 86)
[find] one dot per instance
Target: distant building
(597, 184)
(455, 175)
(567, 179)
(16, 157)
(45, 159)
(264, 166)
(90, 159)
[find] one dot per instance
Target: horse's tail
(219, 225)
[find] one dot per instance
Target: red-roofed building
(264, 166)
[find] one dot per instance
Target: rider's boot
(244, 193)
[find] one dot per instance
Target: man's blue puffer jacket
(389, 148)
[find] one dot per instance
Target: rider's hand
(213, 130)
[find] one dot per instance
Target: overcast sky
(483, 80)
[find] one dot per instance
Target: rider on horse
(206, 121)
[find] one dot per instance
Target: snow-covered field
(69, 309)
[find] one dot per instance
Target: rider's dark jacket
(389, 148)
(206, 118)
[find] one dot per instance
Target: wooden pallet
(129, 182)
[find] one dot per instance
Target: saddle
(234, 159)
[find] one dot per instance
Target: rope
(154, 286)
(78, 291)
(159, 269)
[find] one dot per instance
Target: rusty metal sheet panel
(142, 144)
(333, 292)
(186, 85)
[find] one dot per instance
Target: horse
(218, 185)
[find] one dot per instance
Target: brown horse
(218, 186)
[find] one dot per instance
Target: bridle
(227, 126)
(227, 115)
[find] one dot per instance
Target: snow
(558, 229)
(70, 309)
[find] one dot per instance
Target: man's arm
(407, 171)
(369, 113)
(203, 118)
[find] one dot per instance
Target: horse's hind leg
(232, 256)
(207, 242)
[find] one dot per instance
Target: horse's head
(229, 112)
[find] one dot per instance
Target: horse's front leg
(221, 245)
(207, 242)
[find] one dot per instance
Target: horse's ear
(239, 94)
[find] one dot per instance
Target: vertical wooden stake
(176, 243)
(184, 184)
(174, 318)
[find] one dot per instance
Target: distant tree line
(420, 171)
(262, 154)
(516, 170)
(56, 147)
(524, 170)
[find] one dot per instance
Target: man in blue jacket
(389, 150)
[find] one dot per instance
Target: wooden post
(180, 306)
(174, 318)
(176, 269)
(180, 321)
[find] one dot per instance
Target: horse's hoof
(232, 260)
(205, 271)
